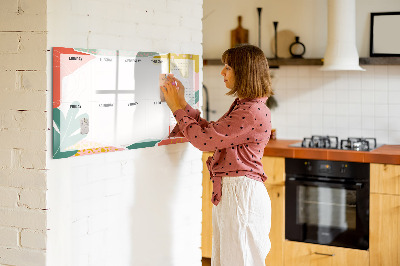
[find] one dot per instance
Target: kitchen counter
(389, 154)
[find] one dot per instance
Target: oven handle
(357, 185)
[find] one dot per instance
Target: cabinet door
(305, 254)
(206, 233)
(384, 229)
(274, 168)
(277, 233)
(385, 178)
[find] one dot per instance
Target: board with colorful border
(110, 100)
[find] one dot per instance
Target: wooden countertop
(389, 154)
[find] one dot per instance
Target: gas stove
(332, 142)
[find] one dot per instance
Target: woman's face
(229, 76)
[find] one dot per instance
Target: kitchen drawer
(385, 178)
(274, 168)
(305, 254)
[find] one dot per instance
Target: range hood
(341, 51)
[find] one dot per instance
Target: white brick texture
(23, 178)
(8, 197)
(33, 199)
(35, 120)
(31, 53)
(31, 80)
(8, 80)
(18, 256)
(9, 237)
(10, 42)
(23, 42)
(23, 100)
(33, 159)
(23, 218)
(33, 239)
(23, 15)
(5, 159)
(23, 139)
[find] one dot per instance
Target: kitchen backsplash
(314, 102)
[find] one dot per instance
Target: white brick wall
(34, 239)
(100, 207)
(23, 132)
(9, 237)
(138, 207)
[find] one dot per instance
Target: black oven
(327, 202)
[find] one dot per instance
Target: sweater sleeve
(229, 131)
(193, 113)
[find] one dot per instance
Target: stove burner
(358, 144)
(328, 142)
(332, 142)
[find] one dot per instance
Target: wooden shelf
(295, 62)
(273, 63)
(380, 61)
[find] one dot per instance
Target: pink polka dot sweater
(238, 139)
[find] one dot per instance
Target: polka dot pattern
(238, 139)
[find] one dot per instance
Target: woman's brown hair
(250, 66)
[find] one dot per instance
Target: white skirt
(241, 223)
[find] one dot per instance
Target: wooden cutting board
(239, 35)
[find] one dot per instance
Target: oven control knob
(308, 166)
(343, 168)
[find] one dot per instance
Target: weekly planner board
(110, 100)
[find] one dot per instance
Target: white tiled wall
(312, 102)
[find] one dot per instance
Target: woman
(242, 208)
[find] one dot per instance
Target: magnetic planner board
(110, 100)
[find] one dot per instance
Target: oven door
(327, 213)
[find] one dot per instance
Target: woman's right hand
(181, 91)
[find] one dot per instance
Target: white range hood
(341, 51)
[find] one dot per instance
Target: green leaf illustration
(144, 144)
(63, 135)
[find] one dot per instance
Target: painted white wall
(137, 207)
(344, 103)
(305, 18)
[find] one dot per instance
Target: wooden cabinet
(305, 254)
(206, 226)
(274, 168)
(277, 233)
(385, 178)
(384, 236)
(385, 215)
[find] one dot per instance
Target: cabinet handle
(325, 254)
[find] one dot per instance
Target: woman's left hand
(171, 96)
